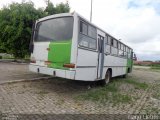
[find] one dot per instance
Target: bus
(68, 46)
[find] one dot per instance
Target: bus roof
(54, 16)
(100, 29)
(76, 14)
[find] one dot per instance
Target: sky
(135, 22)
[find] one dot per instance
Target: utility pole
(23, 1)
(91, 11)
(47, 2)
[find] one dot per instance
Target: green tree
(62, 8)
(16, 22)
(4, 21)
(15, 27)
(59, 8)
(50, 9)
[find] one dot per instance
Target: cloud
(132, 4)
(141, 27)
(136, 22)
(137, 26)
(7, 2)
(148, 48)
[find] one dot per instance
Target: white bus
(68, 46)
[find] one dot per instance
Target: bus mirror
(134, 57)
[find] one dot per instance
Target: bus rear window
(57, 29)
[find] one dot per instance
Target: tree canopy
(16, 22)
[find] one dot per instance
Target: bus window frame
(37, 22)
(81, 46)
(82, 28)
(107, 43)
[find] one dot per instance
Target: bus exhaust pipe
(38, 70)
(54, 73)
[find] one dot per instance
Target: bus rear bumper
(69, 74)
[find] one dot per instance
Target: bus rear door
(100, 56)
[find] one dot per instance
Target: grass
(155, 67)
(112, 93)
(156, 92)
(156, 95)
(11, 57)
(7, 56)
(136, 84)
(152, 110)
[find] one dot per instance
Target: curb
(24, 80)
(13, 62)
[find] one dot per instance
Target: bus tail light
(69, 65)
(47, 62)
(32, 61)
(48, 49)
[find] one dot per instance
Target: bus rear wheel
(107, 78)
(125, 75)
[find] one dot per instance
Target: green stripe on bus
(129, 64)
(59, 54)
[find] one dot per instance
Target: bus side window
(121, 52)
(125, 53)
(92, 32)
(112, 42)
(116, 47)
(107, 44)
(115, 43)
(83, 28)
(106, 40)
(119, 45)
(129, 53)
(109, 40)
(113, 46)
(87, 36)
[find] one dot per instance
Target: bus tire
(107, 77)
(125, 75)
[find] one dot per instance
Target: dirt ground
(15, 71)
(145, 74)
(57, 96)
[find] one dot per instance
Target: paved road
(15, 71)
(58, 96)
(145, 74)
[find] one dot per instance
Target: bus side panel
(117, 64)
(40, 53)
(86, 65)
(129, 63)
(74, 46)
